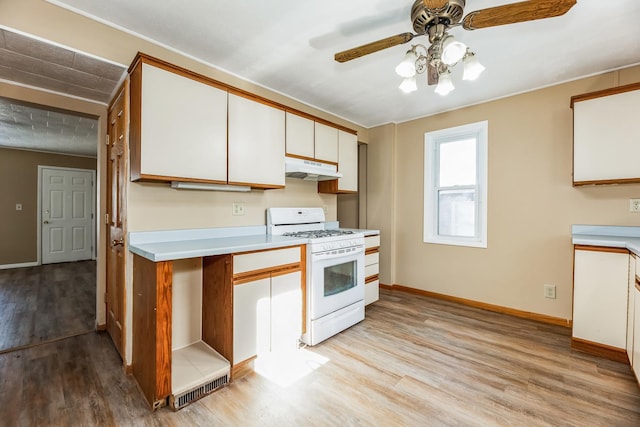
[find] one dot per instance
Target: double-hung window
(455, 186)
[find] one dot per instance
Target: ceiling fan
(434, 18)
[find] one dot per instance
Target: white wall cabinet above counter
(347, 165)
(178, 127)
(606, 136)
(187, 127)
(256, 143)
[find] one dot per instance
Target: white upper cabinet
(606, 136)
(347, 161)
(256, 143)
(300, 136)
(183, 127)
(326, 147)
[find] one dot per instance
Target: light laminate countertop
(196, 243)
(608, 236)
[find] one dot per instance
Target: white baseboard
(21, 265)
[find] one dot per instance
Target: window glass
(456, 213)
(458, 163)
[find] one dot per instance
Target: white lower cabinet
(286, 311)
(251, 318)
(371, 269)
(600, 292)
(631, 282)
(636, 334)
(267, 302)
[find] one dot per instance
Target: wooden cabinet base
(600, 350)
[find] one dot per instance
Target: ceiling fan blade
(516, 12)
(368, 48)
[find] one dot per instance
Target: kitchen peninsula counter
(626, 237)
(196, 243)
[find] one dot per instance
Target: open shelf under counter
(196, 370)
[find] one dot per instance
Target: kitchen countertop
(195, 243)
(607, 236)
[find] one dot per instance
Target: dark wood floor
(47, 302)
(414, 361)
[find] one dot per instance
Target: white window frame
(432, 140)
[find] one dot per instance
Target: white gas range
(335, 270)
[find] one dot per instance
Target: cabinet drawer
(265, 259)
(371, 292)
(372, 241)
(370, 259)
(370, 270)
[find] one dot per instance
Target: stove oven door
(337, 280)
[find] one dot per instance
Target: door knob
(117, 242)
(46, 222)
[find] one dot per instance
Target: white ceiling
(288, 46)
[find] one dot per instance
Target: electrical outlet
(238, 208)
(325, 208)
(634, 205)
(18, 206)
(550, 291)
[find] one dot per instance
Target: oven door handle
(337, 253)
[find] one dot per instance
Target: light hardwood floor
(47, 302)
(414, 361)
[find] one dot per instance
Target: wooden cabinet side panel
(164, 298)
(330, 187)
(135, 121)
(151, 362)
(217, 304)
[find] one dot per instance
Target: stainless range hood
(310, 170)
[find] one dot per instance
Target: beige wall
(531, 205)
(19, 184)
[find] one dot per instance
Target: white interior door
(66, 214)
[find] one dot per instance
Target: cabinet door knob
(118, 242)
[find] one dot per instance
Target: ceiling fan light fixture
(452, 50)
(472, 67)
(407, 68)
(409, 85)
(445, 85)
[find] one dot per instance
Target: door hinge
(106, 139)
(106, 218)
(91, 216)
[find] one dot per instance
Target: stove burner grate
(317, 234)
